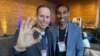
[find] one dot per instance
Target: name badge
(44, 52)
(61, 46)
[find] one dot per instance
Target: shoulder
(53, 26)
(73, 27)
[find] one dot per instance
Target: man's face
(43, 17)
(62, 15)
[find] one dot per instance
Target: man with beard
(68, 41)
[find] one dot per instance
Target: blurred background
(86, 13)
(12, 12)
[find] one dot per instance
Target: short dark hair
(61, 6)
(41, 6)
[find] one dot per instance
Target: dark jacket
(34, 49)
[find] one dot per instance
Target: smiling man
(34, 40)
(68, 41)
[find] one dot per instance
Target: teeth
(43, 24)
(62, 20)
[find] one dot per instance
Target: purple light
(19, 22)
(56, 2)
(19, 14)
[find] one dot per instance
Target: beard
(62, 21)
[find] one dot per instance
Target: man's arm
(79, 46)
(17, 53)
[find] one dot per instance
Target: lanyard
(65, 35)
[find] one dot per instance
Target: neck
(63, 26)
(41, 29)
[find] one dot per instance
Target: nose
(44, 19)
(61, 16)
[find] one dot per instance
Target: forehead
(62, 9)
(44, 10)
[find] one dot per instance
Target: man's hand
(25, 38)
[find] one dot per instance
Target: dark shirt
(61, 37)
(62, 34)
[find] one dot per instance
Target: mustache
(62, 20)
